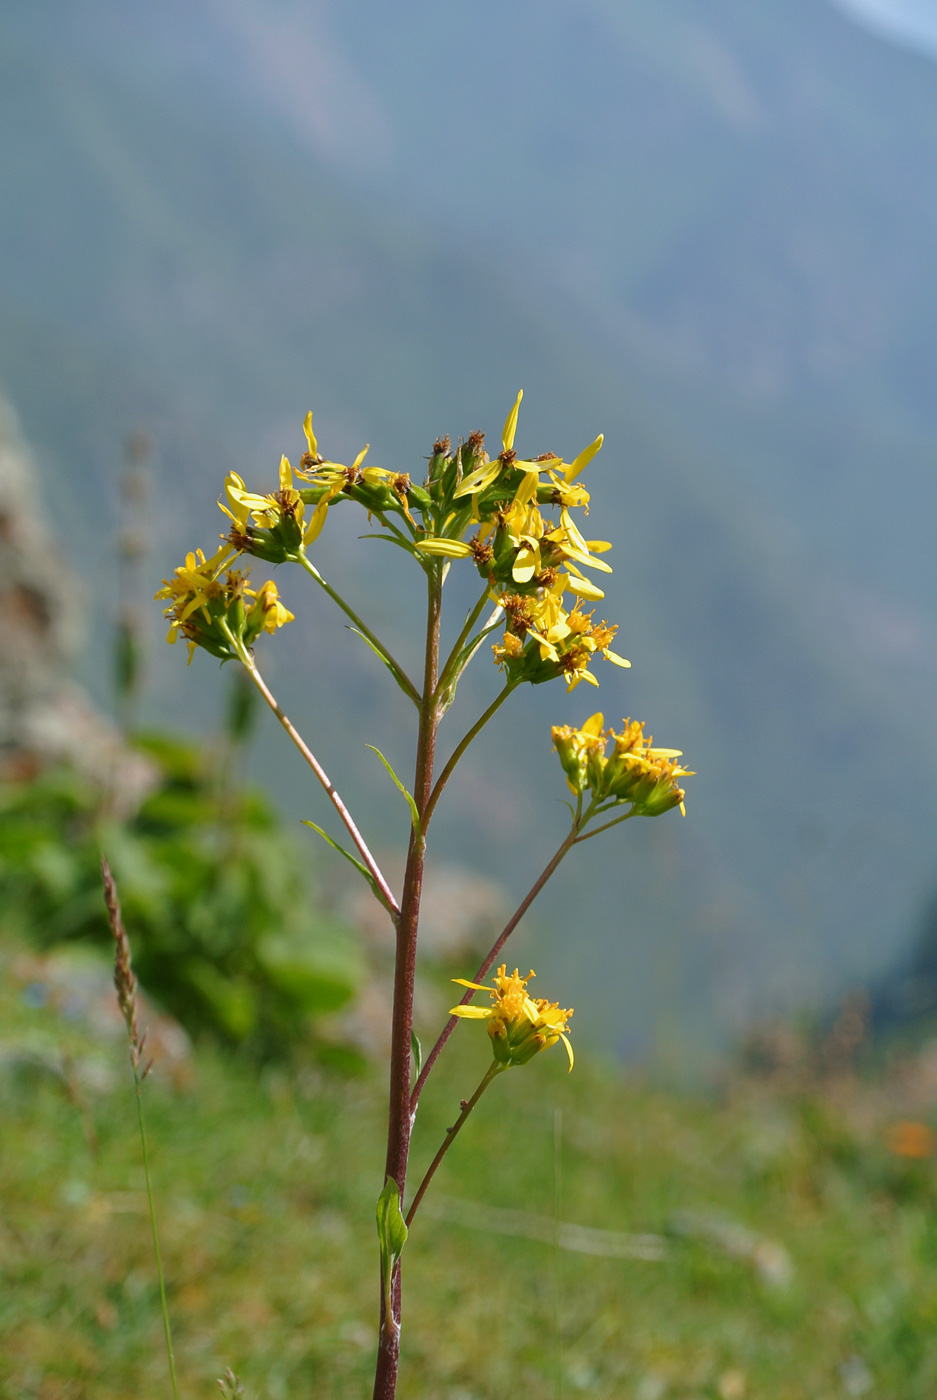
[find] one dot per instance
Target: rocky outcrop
(45, 717)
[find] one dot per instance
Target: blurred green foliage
(224, 932)
(266, 1177)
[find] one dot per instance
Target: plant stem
(587, 836)
(401, 675)
(399, 1120)
(470, 622)
(460, 748)
(159, 1262)
(374, 869)
(503, 936)
(467, 1106)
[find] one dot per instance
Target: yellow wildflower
(635, 772)
(274, 613)
(218, 613)
(520, 1026)
(576, 747)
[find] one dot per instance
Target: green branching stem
(403, 679)
(607, 826)
(462, 745)
(445, 675)
(579, 819)
(159, 1262)
(374, 870)
(467, 1105)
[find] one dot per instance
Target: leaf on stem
(362, 869)
(417, 1051)
(414, 814)
(392, 1233)
(405, 685)
(447, 695)
(401, 543)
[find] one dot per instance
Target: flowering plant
(511, 519)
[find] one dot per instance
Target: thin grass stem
(159, 1261)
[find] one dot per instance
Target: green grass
(266, 1184)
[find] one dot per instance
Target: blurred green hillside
(706, 234)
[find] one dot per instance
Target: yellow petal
(597, 546)
(594, 725)
(316, 522)
(569, 1050)
(286, 474)
(360, 457)
(478, 480)
(454, 549)
(475, 986)
(583, 587)
(584, 458)
(587, 560)
(310, 435)
(527, 488)
(526, 563)
(471, 1013)
(510, 424)
(616, 659)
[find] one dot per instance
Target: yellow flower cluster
(511, 516)
(634, 772)
(531, 562)
(543, 639)
(218, 613)
(520, 1026)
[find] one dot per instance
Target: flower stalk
(511, 519)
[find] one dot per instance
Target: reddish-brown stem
(399, 1120)
(488, 962)
(371, 864)
(467, 1106)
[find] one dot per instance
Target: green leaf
(417, 1050)
(392, 539)
(414, 814)
(392, 1233)
(463, 659)
(405, 685)
(362, 869)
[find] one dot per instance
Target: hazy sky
(910, 21)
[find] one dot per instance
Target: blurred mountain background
(706, 230)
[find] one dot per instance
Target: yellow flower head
(645, 776)
(217, 610)
(580, 749)
(635, 772)
(556, 642)
(520, 1026)
(274, 613)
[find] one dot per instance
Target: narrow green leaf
(417, 1050)
(463, 659)
(392, 1233)
(392, 539)
(401, 679)
(362, 869)
(414, 814)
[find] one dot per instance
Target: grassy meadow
(767, 1240)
